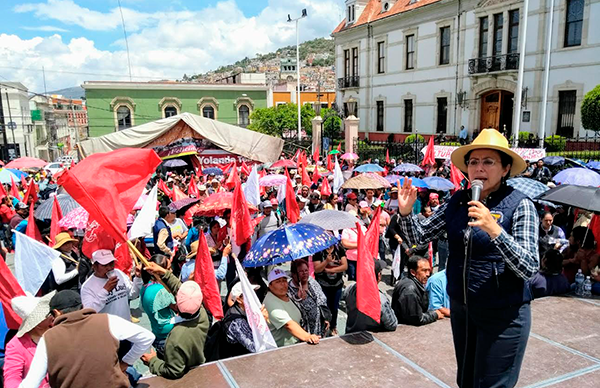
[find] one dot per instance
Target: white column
(351, 132)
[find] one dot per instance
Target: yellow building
(284, 97)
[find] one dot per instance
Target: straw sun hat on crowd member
(492, 140)
(63, 238)
(32, 310)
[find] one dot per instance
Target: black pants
(489, 344)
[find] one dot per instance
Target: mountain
(75, 92)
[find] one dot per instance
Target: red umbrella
(26, 162)
(284, 163)
(216, 204)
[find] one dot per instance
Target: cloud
(45, 29)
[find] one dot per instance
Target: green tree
(332, 123)
(264, 120)
(275, 120)
(590, 110)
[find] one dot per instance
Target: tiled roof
(373, 12)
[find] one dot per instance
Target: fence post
(351, 126)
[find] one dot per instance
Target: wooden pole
(145, 262)
(68, 258)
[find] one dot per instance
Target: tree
(332, 123)
(590, 110)
(275, 121)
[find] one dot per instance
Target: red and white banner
(531, 154)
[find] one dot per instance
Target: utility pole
(12, 128)
(298, 70)
(518, 95)
(3, 128)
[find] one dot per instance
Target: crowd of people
(511, 244)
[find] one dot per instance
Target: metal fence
(408, 152)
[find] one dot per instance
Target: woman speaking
(493, 253)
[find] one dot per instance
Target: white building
(19, 138)
(431, 66)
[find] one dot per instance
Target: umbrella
(593, 165)
(216, 204)
(6, 174)
(182, 203)
(334, 152)
(349, 155)
(578, 176)
(26, 162)
(554, 160)
(369, 168)
(174, 163)
(363, 182)
(416, 182)
(378, 177)
(322, 170)
(287, 243)
(212, 170)
(393, 179)
(407, 167)
(528, 186)
(438, 183)
(272, 180)
(66, 202)
(77, 219)
(18, 173)
(283, 163)
(583, 197)
(330, 219)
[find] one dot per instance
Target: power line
(78, 72)
(126, 43)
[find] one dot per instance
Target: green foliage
(414, 138)
(275, 120)
(332, 123)
(450, 143)
(555, 143)
(590, 110)
(525, 136)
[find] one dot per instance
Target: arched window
(208, 111)
(243, 116)
(123, 117)
(170, 111)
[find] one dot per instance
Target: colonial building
(16, 133)
(113, 106)
(431, 66)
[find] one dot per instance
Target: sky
(83, 40)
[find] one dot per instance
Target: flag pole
(145, 262)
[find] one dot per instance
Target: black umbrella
(174, 163)
(583, 197)
(66, 202)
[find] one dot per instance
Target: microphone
(476, 187)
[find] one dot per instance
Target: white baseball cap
(276, 273)
(103, 256)
(236, 291)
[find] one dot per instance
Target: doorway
(497, 111)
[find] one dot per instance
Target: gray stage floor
(563, 351)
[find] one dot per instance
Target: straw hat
(62, 239)
(32, 310)
(489, 139)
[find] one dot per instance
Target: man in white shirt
(109, 290)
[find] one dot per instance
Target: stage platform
(563, 351)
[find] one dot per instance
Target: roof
(372, 12)
(172, 85)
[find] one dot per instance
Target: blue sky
(166, 39)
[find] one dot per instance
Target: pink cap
(189, 297)
(434, 196)
(274, 201)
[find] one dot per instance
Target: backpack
(216, 346)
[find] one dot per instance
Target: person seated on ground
(550, 280)
(158, 304)
(82, 345)
(254, 275)
(438, 296)
(109, 290)
(551, 236)
(315, 202)
(330, 265)
(357, 321)
(21, 348)
(410, 301)
(308, 296)
(284, 315)
(184, 347)
(584, 256)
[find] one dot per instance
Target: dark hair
(413, 262)
(331, 197)
(163, 211)
(159, 259)
(505, 159)
(546, 213)
(297, 263)
(213, 223)
(425, 207)
(579, 233)
(589, 241)
(553, 262)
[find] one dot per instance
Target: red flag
(178, 194)
(241, 224)
(3, 192)
(31, 192)
(387, 155)
(245, 169)
(232, 179)
(196, 164)
(339, 148)
(32, 229)
(72, 163)
(316, 175)
(456, 176)
(325, 188)
(56, 216)
(9, 288)
(24, 182)
(367, 292)
(305, 178)
(14, 191)
(316, 156)
(429, 154)
(330, 164)
(193, 189)
(296, 155)
(108, 185)
(96, 238)
(372, 235)
(204, 275)
(302, 158)
(291, 206)
(162, 186)
(595, 228)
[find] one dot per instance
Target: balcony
(349, 82)
(506, 62)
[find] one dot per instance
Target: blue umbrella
(554, 160)
(369, 168)
(6, 174)
(289, 242)
(578, 176)
(416, 182)
(18, 173)
(393, 179)
(212, 170)
(407, 167)
(438, 183)
(593, 165)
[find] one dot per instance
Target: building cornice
(93, 85)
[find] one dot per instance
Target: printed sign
(208, 154)
(531, 154)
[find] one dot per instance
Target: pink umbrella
(379, 178)
(26, 162)
(76, 219)
(272, 180)
(283, 163)
(349, 155)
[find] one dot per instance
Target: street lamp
(304, 14)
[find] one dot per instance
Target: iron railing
(349, 82)
(494, 63)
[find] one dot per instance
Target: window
(566, 112)
(442, 114)
(408, 115)
(444, 45)
(380, 57)
(350, 13)
(346, 63)
(208, 112)
(355, 62)
(244, 116)
(410, 52)
(574, 23)
(498, 24)
(123, 117)
(170, 111)
(380, 111)
(513, 31)
(483, 37)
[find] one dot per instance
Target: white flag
(33, 262)
(281, 193)
(338, 178)
(396, 263)
(263, 339)
(143, 223)
(251, 188)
